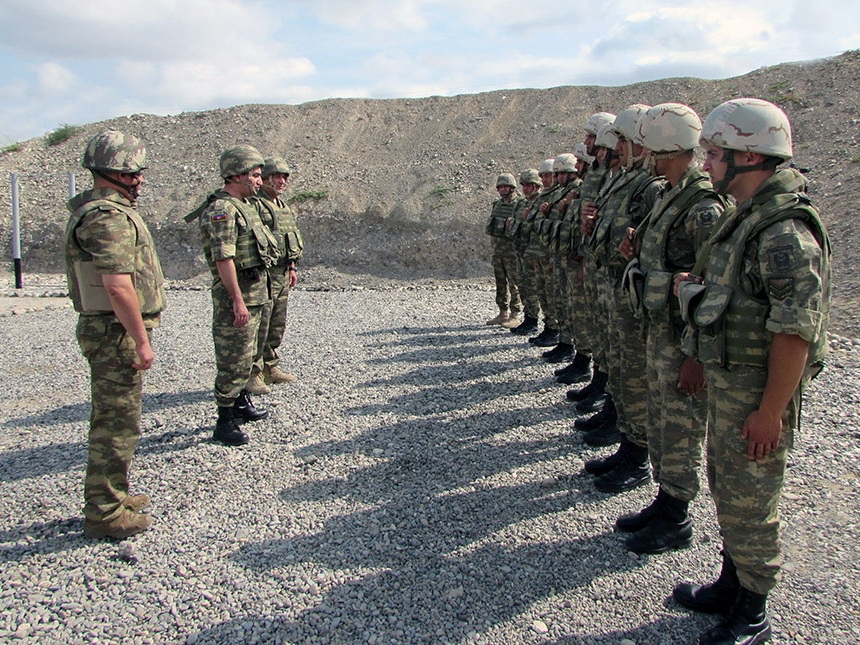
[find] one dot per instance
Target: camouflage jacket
(278, 216)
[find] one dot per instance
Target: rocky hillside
(399, 189)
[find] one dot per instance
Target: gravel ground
(421, 483)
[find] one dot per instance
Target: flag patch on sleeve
(217, 217)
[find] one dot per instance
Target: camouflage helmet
(240, 159)
(564, 163)
(606, 137)
(669, 127)
(749, 125)
(581, 153)
(597, 121)
(530, 176)
(275, 165)
(625, 123)
(545, 166)
(506, 179)
(115, 151)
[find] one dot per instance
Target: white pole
(71, 185)
(16, 232)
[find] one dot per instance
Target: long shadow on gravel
(437, 374)
(52, 536)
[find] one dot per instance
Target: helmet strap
(134, 190)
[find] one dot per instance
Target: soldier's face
(621, 150)
(277, 182)
(504, 191)
(714, 164)
(251, 181)
(546, 179)
(529, 189)
(589, 143)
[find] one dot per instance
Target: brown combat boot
(136, 502)
(498, 320)
(124, 525)
(276, 375)
(256, 385)
(512, 321)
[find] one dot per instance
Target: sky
(81, 61)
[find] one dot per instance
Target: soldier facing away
(115, 283)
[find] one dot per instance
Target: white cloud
(54, 79)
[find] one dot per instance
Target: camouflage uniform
(673, 233)
(537, 255)
(521, 231)
(106, 235)
(767, 272)
(232, 228)
(505, 263)
(276, 214)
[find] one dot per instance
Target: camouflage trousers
(546, 290)
(537, 259)
(579, 308)
(116, 391)
(625, 363)
(506, 274)
(676, 421)
(594, 315)
(528, 286)
(563, 300)
(235, 348)
(273, 320)
(746, 493)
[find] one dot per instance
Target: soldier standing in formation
(505, 253)
(757, 305)
(115, 283)
(521, 231)
(239, 248)
(279, 218)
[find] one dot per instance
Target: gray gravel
(420, 483)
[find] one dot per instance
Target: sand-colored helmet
(564, 163)
(626, 121)
(240, 159)
(275, 165)
(530, 176)
(580, 151)
(606, 137)
(115, 151)
(749, 125)
(545, 166)
(506, 179)
(597, 121)
(670, 127)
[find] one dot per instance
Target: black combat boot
(746, 624)
(244, 408)
(591, 404)
(632, 522)
(226, 430)
(671, 528)
(577, 372)
(607, 414)
(717, 597)
(528, 326)
(632, 471)
(547, 338)
(559, 353)
(597, 385)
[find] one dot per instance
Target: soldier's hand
(240, 314)
(544, 208)
(685, 277)
(762, 432)
(691, 377)
(144, 357)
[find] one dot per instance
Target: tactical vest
(657, 288)
(86, 288)
(548, 226)
(277, 215)
(730, 322)
(497, 223)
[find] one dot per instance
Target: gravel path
(419, 484)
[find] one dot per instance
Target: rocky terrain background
(399, 189)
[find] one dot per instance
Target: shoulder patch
(781, 259)
(217, 217)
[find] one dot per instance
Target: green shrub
(12, 147)
(62, 133)
(308, 196)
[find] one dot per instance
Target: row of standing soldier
(694, 301)
(251, 243)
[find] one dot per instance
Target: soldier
(535, 253)
(505, 253)
(521, 231)
(759, 315)
(238, 248)
(670, 237)
(279, 218)
(623, 204)
(115, 283)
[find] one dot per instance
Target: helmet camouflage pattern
(606, 137)
(626, 121)
(670, 127)
(749, 125)
(564, 163)
(530, 176)
(506, 179)
(545, 166)
(275, 165)
(597, 121)
(115, 151)
(240, 159)
(581, 153)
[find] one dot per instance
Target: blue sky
(79, 61)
